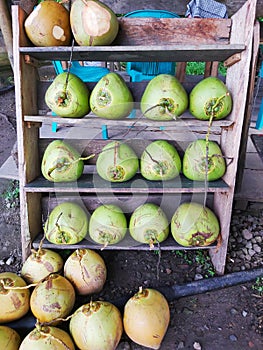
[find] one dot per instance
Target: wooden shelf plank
(94, 122)
(128, 243)
(92, 183)
(161, 53)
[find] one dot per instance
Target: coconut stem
(58, 319)
(60, 165)
(48, 335)
(2, 282)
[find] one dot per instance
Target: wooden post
(6, 29)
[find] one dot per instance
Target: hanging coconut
(111, 97)
(86, 270)
(96, 326)
(194, 225)
(66, 224)
(61, 162)
(14, 297)
(203, 160)
(48, 25)
(160, 161)
(47, 338)
(108, 224)
(52, 299)
(210, 98)
(9, 338)
(68, 96)
(149, 224)
(164, 98)
(146, 318)
(40, 264)
(117, 162)
(93, 23)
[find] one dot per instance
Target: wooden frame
(237, 41)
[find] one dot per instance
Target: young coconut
(52, 299)
(111, 98)
(146, 318)
(66, 224)
(108, 225)
(86, 270)
(47, 338)
(164, 98)
(40, 264)
(9, 338)
(197, 154)
(210, 98)
(96, 326)
(93, 23)
(117, 162)
(149, 224)
(48, 25)
(160, 161)
(61, 162)
(14, 297)
(68, 96)
(194, 225)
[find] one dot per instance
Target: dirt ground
(223, 319)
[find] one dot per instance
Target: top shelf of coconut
(143, 39)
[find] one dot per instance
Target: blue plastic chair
(259, 123)
(139, 71)
(85, 73)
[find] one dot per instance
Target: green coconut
(66, 224)
(108, 224)
(160, 161)
(117, 162)
(194, 225)
(47, 338)
(149, 224)
(61, 162)
(111, 97)
(9, 338)
(197, 154)
(96, 326)
(41, 263)
(93, 23)
(210, 98)
(68, 96)
(52, 299)
(164, 98)
(49, 25)
(14, 297)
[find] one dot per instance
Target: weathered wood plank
(126, 244)
(184, 122)
(92, 183)
(28, 154)
(153, 31)
(242, 30)
(161, 53)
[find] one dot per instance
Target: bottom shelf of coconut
(192, 225)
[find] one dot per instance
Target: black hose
(206, 285)
(201, 286)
